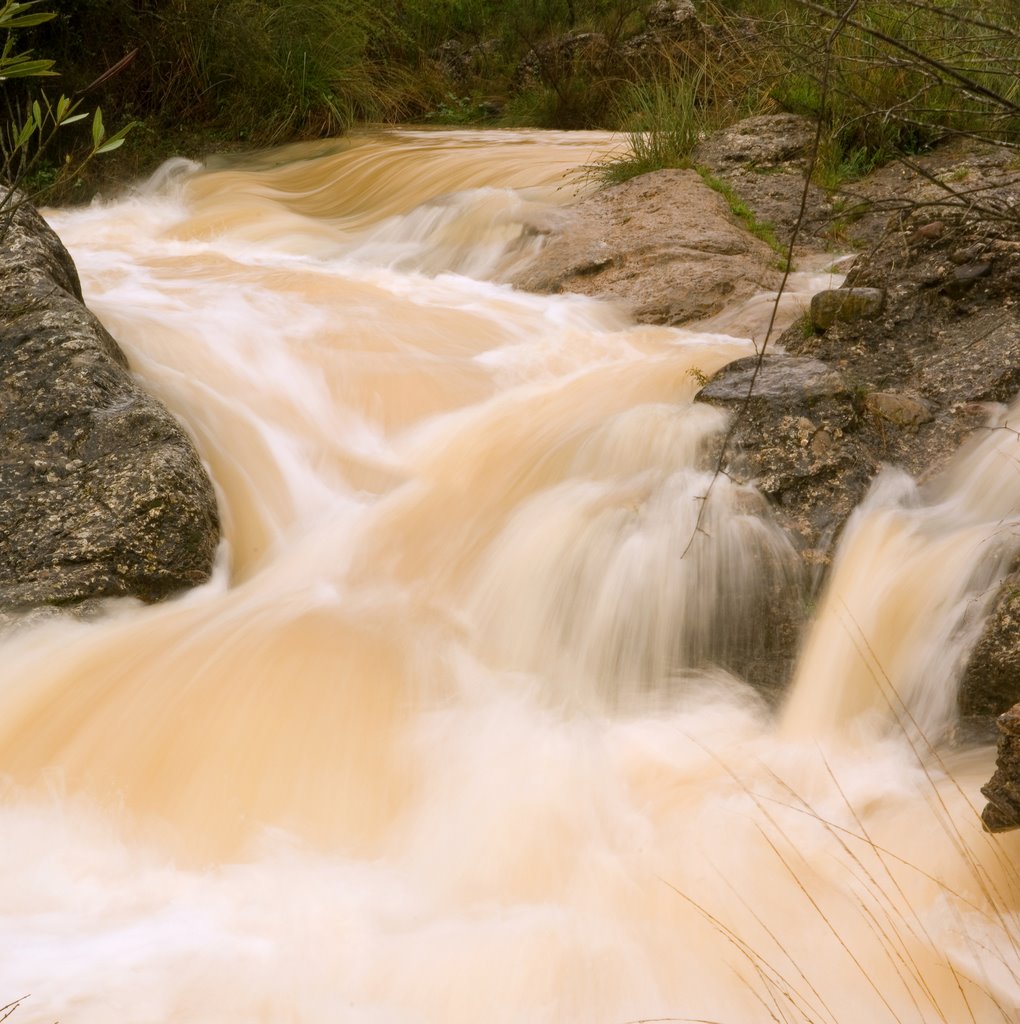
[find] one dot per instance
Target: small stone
(821, 443)
(902, 410)
(926, 233)
(968, 254)
(964, 278)
(845, 305)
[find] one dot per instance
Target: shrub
(35, 122)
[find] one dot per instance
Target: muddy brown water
(429, 747)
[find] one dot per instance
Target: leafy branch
(26, 138)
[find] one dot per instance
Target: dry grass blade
(771, 934)
(996, 900)
(798, 881)
(6, 1011)
(765, 970)
(872, 884)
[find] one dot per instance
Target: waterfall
(454, 735)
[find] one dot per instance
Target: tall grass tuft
(670, 121)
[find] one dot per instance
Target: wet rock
(763, 160)
(664, 242)
(101, 491)
(793, 439)
(971, 361)
(1002, 812)
(963, 278)
(920, 191)
(969, 254)
(919, 377)
(905, 387)
(845, 304)
(992, 677)
(781, 382)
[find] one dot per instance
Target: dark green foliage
(261, 69)
(34, 130)
(900, 73)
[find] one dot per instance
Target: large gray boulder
(101, 491)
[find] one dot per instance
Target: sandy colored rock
(764, 159)
(845, 304)
(665, 243)
(901, 410)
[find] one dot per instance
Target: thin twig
(787, 270)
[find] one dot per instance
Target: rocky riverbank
(918, 352)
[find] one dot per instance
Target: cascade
(441, 741)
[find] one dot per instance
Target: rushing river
(428, 749)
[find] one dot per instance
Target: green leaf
(21, 67)
(27, 20)
(98, 131)
(116, 140)
(73, 118)
(27, 130)
(14, 15)
(37, 113)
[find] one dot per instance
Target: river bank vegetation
(884, 77)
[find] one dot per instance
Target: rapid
(440, 742)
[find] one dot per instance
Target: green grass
(759, 228)
(669, 123)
